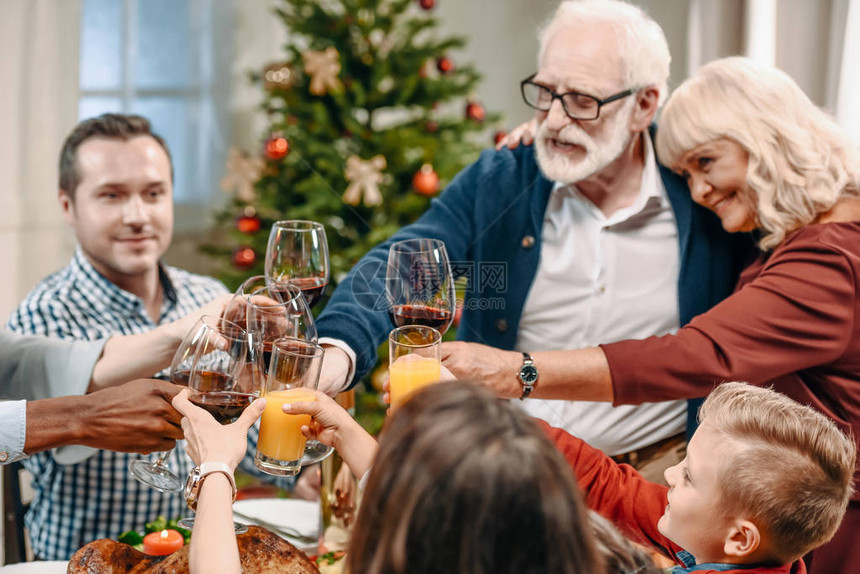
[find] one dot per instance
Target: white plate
(36, 568)
(301, 515)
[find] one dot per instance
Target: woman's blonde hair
(800, 162)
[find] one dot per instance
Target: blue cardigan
(491, 216)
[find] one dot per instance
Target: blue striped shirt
(98, 498)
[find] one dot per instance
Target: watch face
(528, 374)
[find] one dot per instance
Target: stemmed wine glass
(237, 309)
(223, 371)
(419, 284)
(297, 253)
(211, 360)
(279, 311)
(224, 374)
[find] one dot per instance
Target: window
(157, 58)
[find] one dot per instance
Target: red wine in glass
(181, 378)
(267, 356)
(204, 381)
(297, 252)
(434, 317)
(312, 288)
(225, 406)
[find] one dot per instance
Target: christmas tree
(370, 116)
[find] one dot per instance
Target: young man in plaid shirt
(116, 192)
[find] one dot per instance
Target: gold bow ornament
(242, 171)
(323, 67)
(364, 177)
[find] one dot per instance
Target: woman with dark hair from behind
(463, 482)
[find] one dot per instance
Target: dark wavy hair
(467, 483)
(121, 127)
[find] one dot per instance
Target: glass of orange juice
(414, 361)
(294, 371)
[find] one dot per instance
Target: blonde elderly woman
(757, 152)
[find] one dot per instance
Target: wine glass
(419, 284)
(157, 474)
(277, 311)
(298, 253)
(198, 348)
(223, 372)
(236, 310)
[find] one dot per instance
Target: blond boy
(765, 481)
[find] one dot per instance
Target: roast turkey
(260, 551)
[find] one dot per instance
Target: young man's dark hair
(109, 126)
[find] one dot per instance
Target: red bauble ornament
(277, 147)
(475, 112)
(426, 181)
(427, 4)
(244, 257)
(445, 65)
(248, 222)
(499, 136)
(432, 126)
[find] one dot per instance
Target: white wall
(38, 106)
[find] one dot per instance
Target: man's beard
(556, 166)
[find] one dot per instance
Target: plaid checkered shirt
(98, 498)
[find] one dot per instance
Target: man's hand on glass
(335, 370)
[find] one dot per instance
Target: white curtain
(760, 30)
(848, 92)
(39, 72)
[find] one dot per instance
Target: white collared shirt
(600, 280)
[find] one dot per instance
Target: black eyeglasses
(577, 106)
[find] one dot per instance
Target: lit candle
(162, 543)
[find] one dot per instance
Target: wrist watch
(195, 480)
(528, 375)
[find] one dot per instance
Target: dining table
(297, 521)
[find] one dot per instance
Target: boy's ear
(743, 539)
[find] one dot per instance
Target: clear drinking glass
(294, 372)
(414, 361)
(419, 284)
(297, 253)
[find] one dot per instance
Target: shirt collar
(107, 293)
(689, 565)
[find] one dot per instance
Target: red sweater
(791, 323)
(633, 504)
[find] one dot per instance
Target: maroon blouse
(791, 324)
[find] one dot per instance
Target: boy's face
(694, 517)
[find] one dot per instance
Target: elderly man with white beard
(580, 239)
